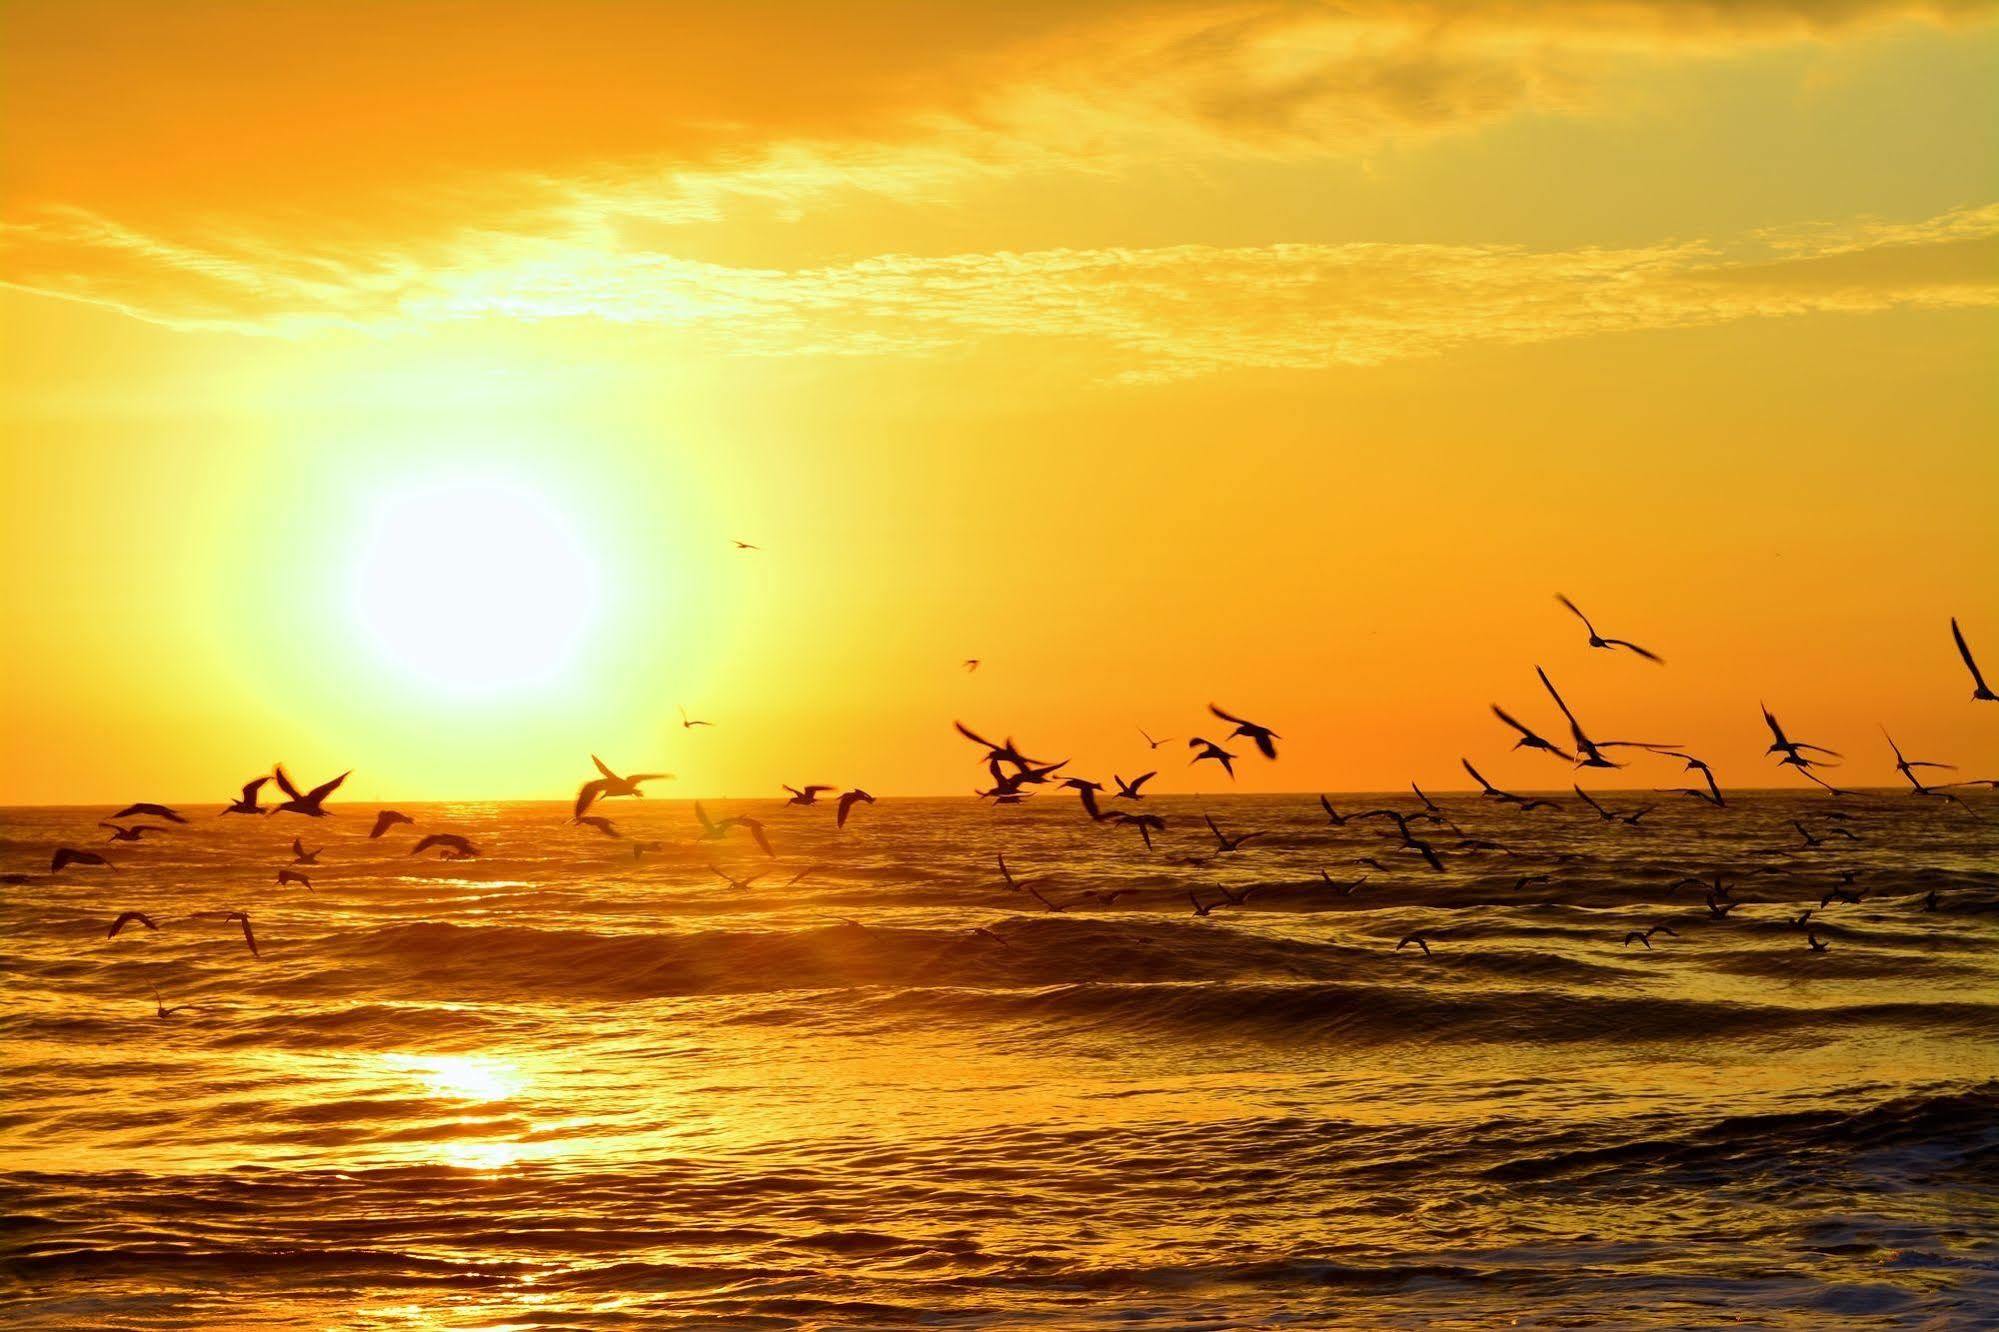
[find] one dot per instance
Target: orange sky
(388, 393)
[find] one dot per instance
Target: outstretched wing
(1576, 611)
(1627, 643)
(250, 790)
(325, 789)
(973, 735)
(608, 774)
(1964, 650)
(284, 782)
(588, 792)
(1228, 716)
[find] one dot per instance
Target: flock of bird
(1418, 836)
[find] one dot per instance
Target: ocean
(558, 1086)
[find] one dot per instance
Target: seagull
(131, 834)
(1711, 796)
(808, 796)
(149, 811)
(449, 841)
(848, 799)
(286, 876)
(1429, 805)
(160, 1007)
(1799, 920)
(309, 803)
(1597, 640)
(1087, 789)
(971, 664)
(242, 918)
(610, 784)
(734, 882)
(1804, 832)
(1601, 812)
(688, 723)
(1907, 767)
(1147, 824)
(1781, 744)
(1201, 909)
(126, 918)
(247, 802)
(1638, 935)
(1416, 939)
(1529, 740)
(1343, 889)
(1129, 790)
(1720, 909)
(1228, 843)
(744, 545)
(1210, 750)
(1817, 944)
(1017, 885)
(600, 823)
(1492, 792)
(386, 820)
(69, 855)
(1983, 692)
(1261, 736)
(301, 856)
(1333, 816)
(1157, 743)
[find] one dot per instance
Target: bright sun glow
(474, 587)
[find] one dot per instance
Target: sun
(473, 588)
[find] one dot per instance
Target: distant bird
(848, 800)
(1003, 753)
(129, 917)
(1017, 885)
(449, 841)
(756, 831)
(733, 881)
(1528, 739)
(1416, 939)
(1199, 908)
(1343, 889)
(386, 820)
(600, 823)
(1157, 743)
(1371, 863)
(1210, 750)
(1492, 792)
(1806, 833)
(1429, 805)
(288, 876)
(1816, 944)
(132, 834)
(1129, 790)
(610, 784)
(1147, 824)
(744, 545)
(1597, 640)
(241, 918)
(971, 664)
(69, 855)
(1333, 816)
(309, 803)
(247, 802)
(1720, 909)
(148, 811)
(1228, 843)
(1907, 767)
(1602, 813)
(1802, 917)
(1711, 796)
(1087, 789)
(1261, 736)
(1840, 895)
(301, 856)
(1529, 880)
(1790, 749)
(163, 1012)
(1638, 936)
(688, 723)
(1982, 692)
(808, 795)
(1931, 901)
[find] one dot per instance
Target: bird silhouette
(449, 841)
(688, 723)
(610, 784)
(148, 811)
(288, 876)
(1597, 640)
(1491, 792)
(1154, 744)
(1816, 944)
(970, 664)
(1227, 843)
(1210, 750)
(1147, 824)
(1981, 692)
(386, 820)
(1261, 736)
(808, 795)
(848, 799)
(66, 856)
(1793, 751)
(603, 825)
(247, 802)
(241, 918)
(309, 803)
(132, 834)
(733, 881)
(1528, 739)
(301, 856)
(164, 1012)
(1416, 939)
(129, 918)
(1131, 790)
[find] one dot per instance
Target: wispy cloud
(1156, 313)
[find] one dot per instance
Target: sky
(386, 387)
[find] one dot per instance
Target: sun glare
(473, 587)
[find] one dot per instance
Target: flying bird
(744, 545)
(1816, 944)
(808, 795)
(164, 1012)
(1597, 640)
(301, 856)
(1157, 743)
(1791, 749)
(69, 855)
(610, 784)
(755, 829)
(132, 834)
(451, 842)
(600, 823)
(1491, 792)
(247, 802)
(286, 876)
(386, 820)
(1006, 753)
(1262, 736)
(1333, 816)
(127, 918)
(1130, 790)
(1982, 692)
(971, 664)
(1147, 824)
(309, 803)
(1210, 750)
(1589, 753)
(1343, 889)
(1224, 842)
(688, 723)
(1416, 939)
(1528, 739)
(1201, 909)
(149, 811)
(848, 799)
(241, 918)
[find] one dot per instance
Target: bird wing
(846, 803)
(284, 782)
(1142, 779)
(325, 789)
(589, 791)
(1550, 685)
(608, 774)
(1577, 612)
(249, 935)
(1964, 650)
(973, 735)
(251, 788)
(638, 777)
(816, 787)
(434, 839)
(1501, 713)
(1474, 775)
(1627, 643)
(1228, 716)
(757, 831)
(1776, 731)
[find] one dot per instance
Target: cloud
(1140, 314)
